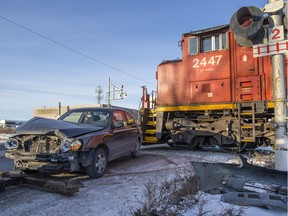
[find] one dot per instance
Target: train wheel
(195, 142)
(230, 144)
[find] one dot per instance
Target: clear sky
(93, 40)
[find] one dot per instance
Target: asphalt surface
(6, 164)
(2, 147)
(157, 151)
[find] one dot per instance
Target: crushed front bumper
(43, 162)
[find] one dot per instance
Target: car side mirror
(118, 124)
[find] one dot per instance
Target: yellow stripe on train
(225, 106)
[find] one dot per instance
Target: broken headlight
(12, 144)
(70, 145)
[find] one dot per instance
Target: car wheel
(136, 151)
(99, 163)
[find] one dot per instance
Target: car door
(133, 131)
(121, 139)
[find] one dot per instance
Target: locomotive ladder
(246, 119)
(149, 125)
(148, 116)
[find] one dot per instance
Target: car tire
(136, 151)
(99, 163)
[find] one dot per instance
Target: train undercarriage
(233, 128)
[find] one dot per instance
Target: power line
(74, 50)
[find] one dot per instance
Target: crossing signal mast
(115, 93)
(247, 26)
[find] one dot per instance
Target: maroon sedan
(81, 139)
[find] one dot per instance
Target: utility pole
(279, 89)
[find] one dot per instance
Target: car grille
(41, 144)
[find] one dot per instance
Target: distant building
(57, 111)
(4, 123)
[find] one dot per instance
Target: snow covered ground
(116, 193)
(4, 137)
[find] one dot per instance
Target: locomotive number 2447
(203, 62)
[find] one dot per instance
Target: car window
(130, 119)
(97, 118)
(119, 116)
(72, 117)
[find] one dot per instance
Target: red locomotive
(216, 95)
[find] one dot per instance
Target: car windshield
(95, 117)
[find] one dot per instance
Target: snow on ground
(113, 194)
(214, 206)
(4, 137)
(116, 193)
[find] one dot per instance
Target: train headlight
(12, 144)
(71, 145)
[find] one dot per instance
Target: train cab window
(193, 46)
(217, 45)
(214, 42)
(206, 44)
(222, 41)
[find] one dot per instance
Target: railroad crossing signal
(272, 48)
(276, 45)
(247, 26)
(247, 23)
(115, 93)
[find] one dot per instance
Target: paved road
(5, 163)
(2, 147)
(159, 152)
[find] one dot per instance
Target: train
(218, 94)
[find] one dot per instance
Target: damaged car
(83, 139)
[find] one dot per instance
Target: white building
(9, 123)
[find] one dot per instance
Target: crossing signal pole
(247, 26)
(279, 87)
(115, 93)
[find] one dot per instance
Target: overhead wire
(74, 50)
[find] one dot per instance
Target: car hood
(45, 126)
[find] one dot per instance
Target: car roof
(134, 113)
(98, 108)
